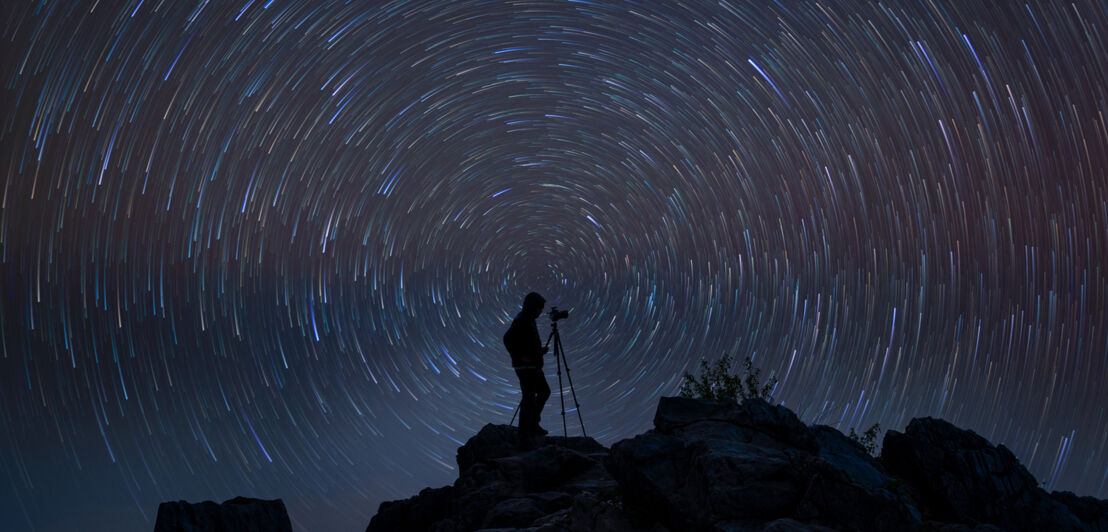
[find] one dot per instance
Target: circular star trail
(269, 249)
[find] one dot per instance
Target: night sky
(269, 249)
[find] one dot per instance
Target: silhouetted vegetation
(868, 439)
(717, 383)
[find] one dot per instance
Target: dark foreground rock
(747, 466)
(240, 514)
(726, 466)
(560, 484)
(962, 477)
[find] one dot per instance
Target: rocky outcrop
(240, 514)
(751, 466)
(961, 477)
(1092, 512)
(747, 466)
(560, 484)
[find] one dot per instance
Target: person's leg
(527, 399)
(542, 393)
(536, 391)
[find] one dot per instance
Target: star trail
(269, 248)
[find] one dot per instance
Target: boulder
(490, 443)
(725, 465)
(649, 469)
(849, 456)
(789, 525)
(1092, 512)
(417, 513)
(676, 415)
(502, 485)
(962, 478)
(499, 441)
(835, 497)
(239, 514)
(514, 512)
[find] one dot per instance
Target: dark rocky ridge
(741, 467)
(240, 514)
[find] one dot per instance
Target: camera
(556, 314)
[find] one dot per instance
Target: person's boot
(534, 428)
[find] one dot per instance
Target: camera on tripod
(556, 314)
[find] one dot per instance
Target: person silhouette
(526, 349)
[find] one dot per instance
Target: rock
(733, 480)
(789, 525)
(516, 512)
(741, 466)
(418, 513)
(649, 469)
(501, 485)
(779, 525)
(849, 456)
(499, 441)
(446, 525)
(238, 514)
(834, 497)
(962, 478)
(552, 501)
(778, 422)
(749, 467)
(472, 506)
(590, 512)
(958, 527)
(545, 468)
(1092, 512)
(492, 442)
(675, 414)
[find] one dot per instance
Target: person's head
(533, 304)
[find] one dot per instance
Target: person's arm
(536, 342)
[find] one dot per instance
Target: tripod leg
(569, 378)
(561, 390)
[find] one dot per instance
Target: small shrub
(868, 439)
(717, 383)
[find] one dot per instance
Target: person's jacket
(523, 342)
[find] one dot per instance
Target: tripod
(560, 359)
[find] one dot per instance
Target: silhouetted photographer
(525, 347)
